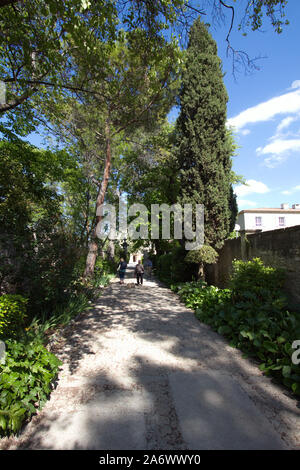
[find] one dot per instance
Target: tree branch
(238, 56)
(132, 121)
(17, 101)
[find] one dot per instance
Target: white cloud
(278, 150)
(246, 202)
(283, 141)
(275, 160)
(279, 146)
(288, 103)
(285, 123)
(245, 131)
(291, 191)
(252, 186)
(295, 84)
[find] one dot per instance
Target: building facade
(261, 220)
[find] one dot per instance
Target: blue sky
(264, 107)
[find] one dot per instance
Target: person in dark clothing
(122, 269)
(139, 272)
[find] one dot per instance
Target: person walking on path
(139, 272)
(122, 270)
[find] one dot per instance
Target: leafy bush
(252, 315)
(191, 293)
(51, 270)
(38, 251)
(105, 266)
(105, 269)
(171, 267)
(12, 314)
(79, 295)
(205, 254)
(252, 281)
(102, 280)
(25, 383)
(61, 316)
(164, 267)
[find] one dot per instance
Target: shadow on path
(141, 372)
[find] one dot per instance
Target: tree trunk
(111, 250)
(201, 273)
(93, 244)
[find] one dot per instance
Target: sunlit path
(140, 372)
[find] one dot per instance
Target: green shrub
(61, 316)
(252, 315)
(12, 314)
(102, 280)
(105, 269)
(190, 292)
(203, 298)
(252, 281)
(25, 383)
(76, 304)
(44, 269)
(172, 268)
(105, 266)
(205, 254)
(260, 333)
(164, 267)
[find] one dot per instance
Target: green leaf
(286, 371)
(271, 347)
(224, 330)
(281, 339)
(296, 388)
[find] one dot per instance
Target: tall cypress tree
(204, 147)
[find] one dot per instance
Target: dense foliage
(252, 315)
(171, 267)
(25, 383)
(100, 78)
(205, 254)
(12, 314)
(204, 146)
(38, 254)
(29, 370)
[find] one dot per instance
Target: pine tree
(204, 146)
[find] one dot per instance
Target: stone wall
(277, 248)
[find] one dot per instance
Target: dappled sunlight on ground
(141, 372)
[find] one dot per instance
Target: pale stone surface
(216, 414)
(108, 421)
(137, 367)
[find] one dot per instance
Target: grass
(38, 328)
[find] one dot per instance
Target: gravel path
(141, 372)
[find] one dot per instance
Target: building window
(258, 221)
(281, 221)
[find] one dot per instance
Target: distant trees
(37, 253)
(134, 86)
(38, 37)
(104, 74)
